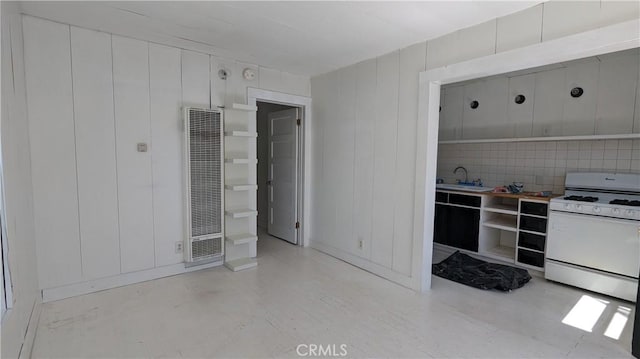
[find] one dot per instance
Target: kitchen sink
(460, 187)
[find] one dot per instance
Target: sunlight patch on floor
(618, 322)
(585, 313)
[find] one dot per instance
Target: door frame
(255, 95)
(618, 37)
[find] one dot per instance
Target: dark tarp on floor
(477, 273)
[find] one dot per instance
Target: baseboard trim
(72, 290)
(381, 271)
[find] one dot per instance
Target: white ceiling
(306, 38)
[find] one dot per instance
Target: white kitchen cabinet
(451, 102)
(489, 119)
(548, 106)
(617, 82)
(520, 115)
(579, 115)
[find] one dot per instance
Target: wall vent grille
(205, 194)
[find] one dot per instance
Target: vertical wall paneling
(331, 126)
(195, 79)
(519, 29)
(636, 110)
(217, 86)
(95, 152)
(579, 114)
(345, 162)
(363, 175)
(412, 62)
(560, 18)
(240, 90)
(167, 151)
(135, 197)
(548, 107)
(231, 83)
(385, 137)
(320, 106)
(53, 162)
(617, 83)
(520, 116)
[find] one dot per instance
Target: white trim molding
(618, 37)
(72, 290)
(253, 96)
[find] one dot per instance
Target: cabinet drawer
(471, 201)
(442, 197)
(531, 241)
(535, 208)
(531, 258)
(534, 224)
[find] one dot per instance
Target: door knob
(269, 182)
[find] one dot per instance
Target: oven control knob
(616, 211)
(567, 206)
(596, 209)
(578, 206)
(629, 212)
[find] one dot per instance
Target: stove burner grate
(582, 198)
(626, 202)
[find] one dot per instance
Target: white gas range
(594, 234)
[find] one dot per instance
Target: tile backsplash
(541, 166)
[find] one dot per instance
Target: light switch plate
(142, 147)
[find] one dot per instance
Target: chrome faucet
(466, 174)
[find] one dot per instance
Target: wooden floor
(301, 296)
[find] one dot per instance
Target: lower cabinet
(532, 232)
(506, 228)
(457, 226)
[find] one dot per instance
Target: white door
(283, 169)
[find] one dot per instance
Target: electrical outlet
(178, 247)
(360, 243)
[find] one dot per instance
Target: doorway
(303, 103)
(278, 156)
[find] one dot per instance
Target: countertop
(523, 195)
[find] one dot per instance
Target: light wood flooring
(301, 296)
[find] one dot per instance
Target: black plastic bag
(477, 273)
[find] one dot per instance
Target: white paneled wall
(103, 208)
(541, 166)
(53, 151)
(384, 160)
(19, 323)
(165, 91)
(133, 126)
(93, 108)
(382, 146)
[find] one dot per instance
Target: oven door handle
(554, 215)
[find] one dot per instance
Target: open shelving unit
(240, 188)
(499, 219)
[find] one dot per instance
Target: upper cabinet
(586, 97)
(548, 104)
(617, 82)
(451, 113)
(580, 96)
(520, 104)
(485, 109)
